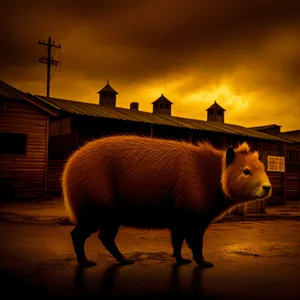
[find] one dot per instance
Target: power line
(49, 60)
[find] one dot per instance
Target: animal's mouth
(262, 193)
(262, 197)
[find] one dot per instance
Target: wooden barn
(24, 127)
(79, 122)
(292, 158)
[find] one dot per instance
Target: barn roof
(162, 99)
(96, 110)
(108, 88)
(264, 127)
(292, 135)
(216, 106)
(8, 92)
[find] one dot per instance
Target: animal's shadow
(108, 288)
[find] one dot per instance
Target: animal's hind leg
(177, 242)
(107, 235)
(194, 239)
(79, 235)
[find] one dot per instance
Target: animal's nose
(267, 187)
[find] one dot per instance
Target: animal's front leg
(194, 239)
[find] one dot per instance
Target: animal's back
(133, 176)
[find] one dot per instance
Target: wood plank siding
(55, 170)
(276, 180)
(23, 176)
(292, 181)
(292, 174)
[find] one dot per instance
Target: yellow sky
(247, 57)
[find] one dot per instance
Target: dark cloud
(253, 46)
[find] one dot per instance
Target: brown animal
(153, 183)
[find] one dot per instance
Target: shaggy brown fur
(153, 183)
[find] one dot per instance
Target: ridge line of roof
(126, 112)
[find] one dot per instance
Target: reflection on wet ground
(252, 260)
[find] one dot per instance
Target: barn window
(13, 143)
(156, 105)
(167, 105)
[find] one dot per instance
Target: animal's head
(243, 176)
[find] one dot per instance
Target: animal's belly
(158, 216)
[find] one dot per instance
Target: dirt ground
(252, 259)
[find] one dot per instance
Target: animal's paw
(125, 262)
(87, 263)
(182, 262)
(204, 264)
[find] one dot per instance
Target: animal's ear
(230, 155)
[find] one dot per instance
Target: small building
(108, 96)
(162, 105)
(79, 122)
(215, 113)
(24, 126)
(291, 173)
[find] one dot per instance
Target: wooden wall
(292, 181)
(61, 146)
(23, 176)
(256, 207)
(292, 174)
(276, 178)
(55, 169)
(88, 128)
(60, 126)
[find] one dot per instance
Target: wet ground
(252, 260)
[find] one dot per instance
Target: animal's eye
(246, 171)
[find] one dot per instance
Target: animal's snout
(267, 187)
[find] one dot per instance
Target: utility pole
(48, 60)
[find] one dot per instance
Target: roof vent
(134, 106)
